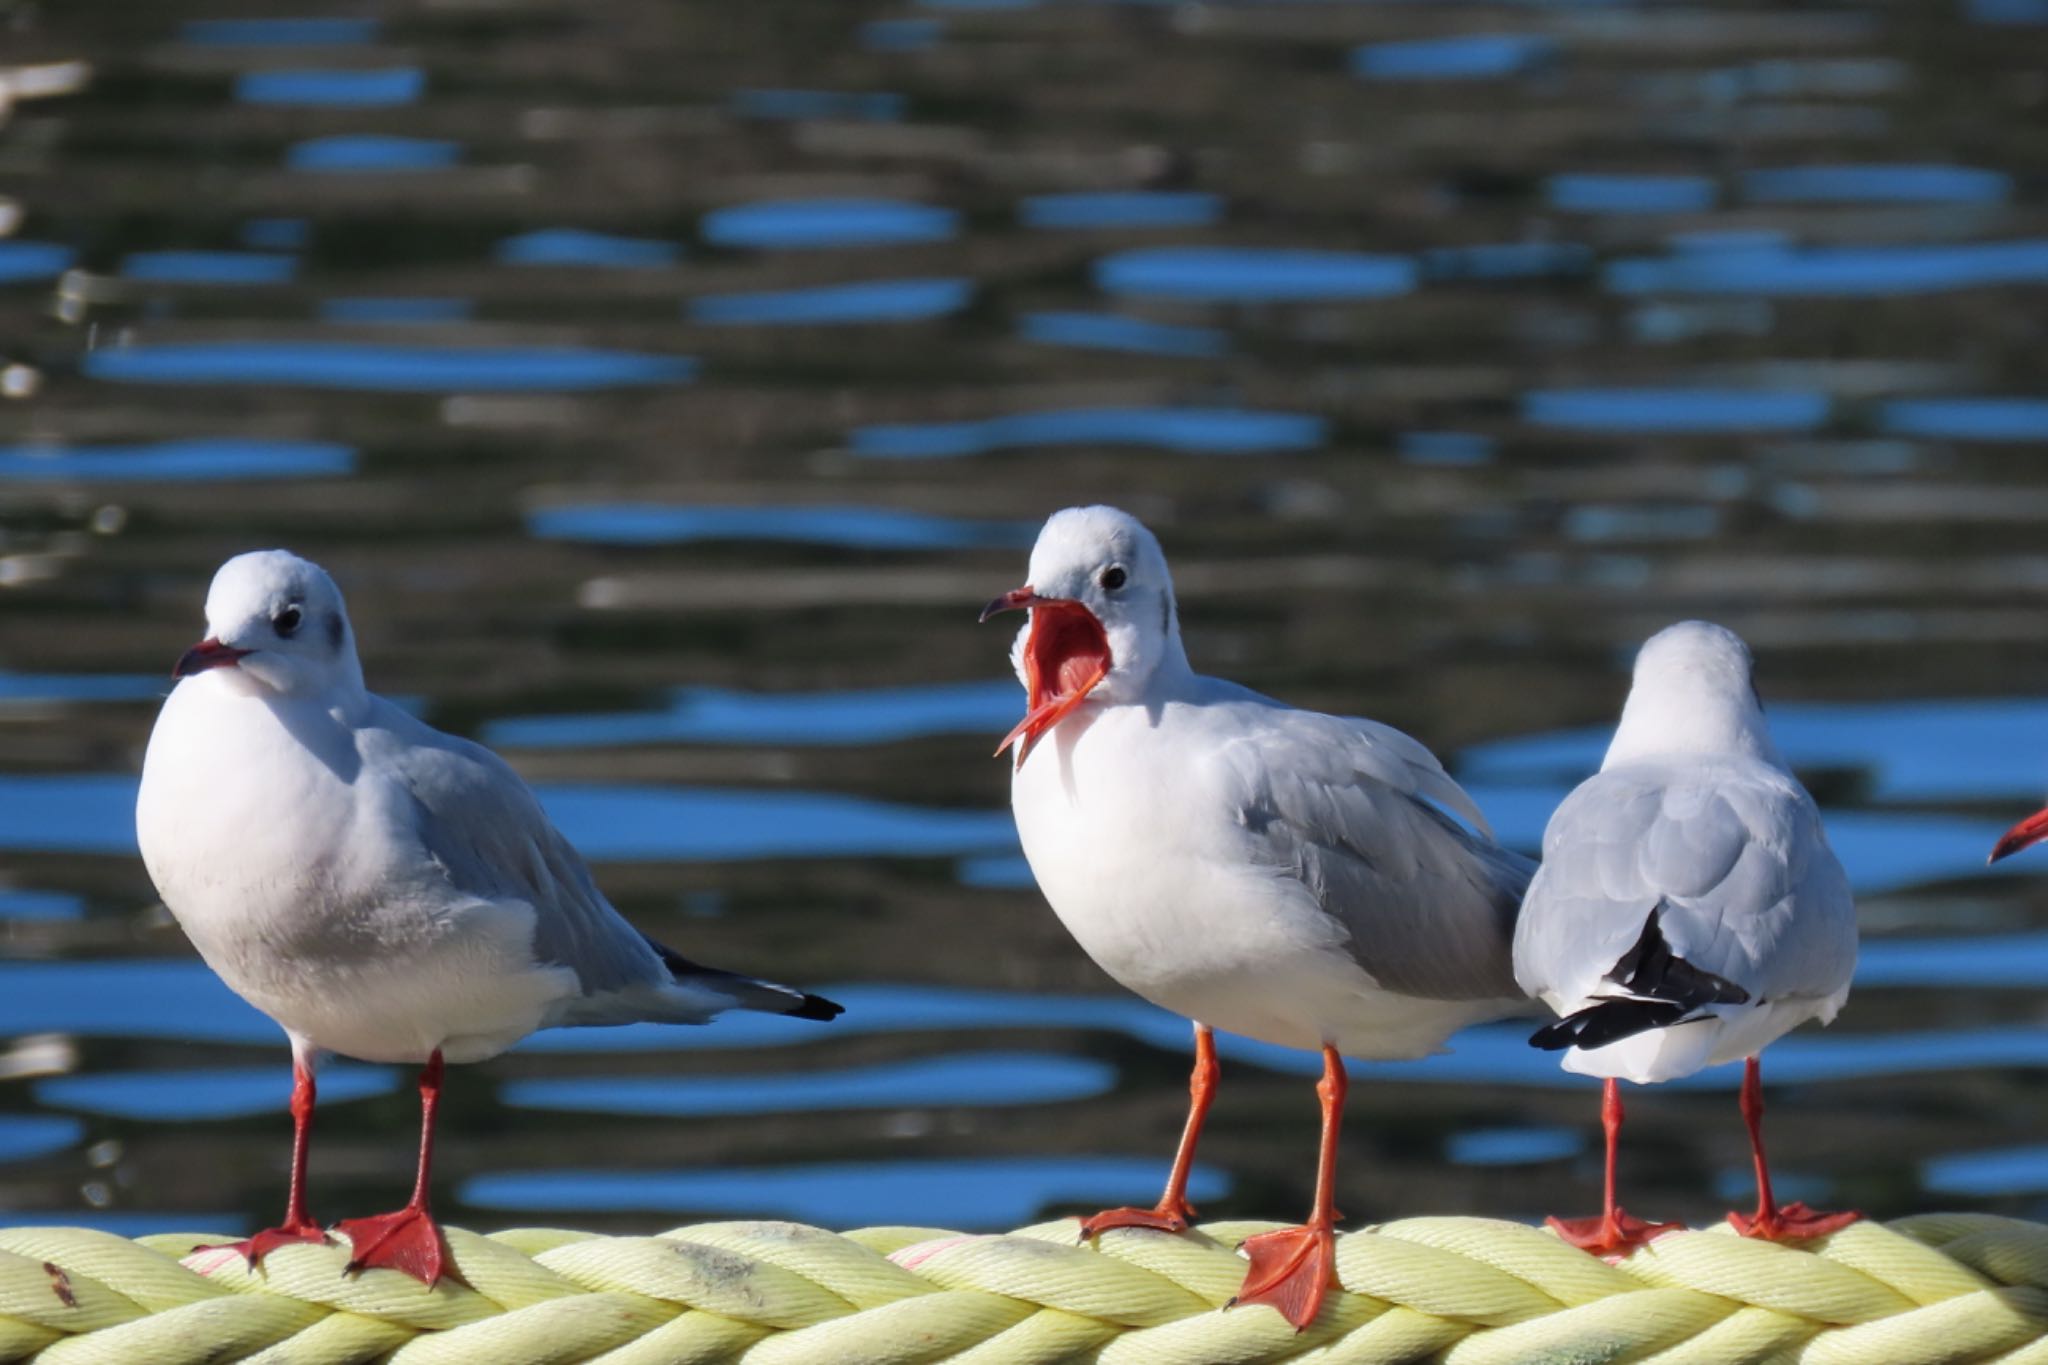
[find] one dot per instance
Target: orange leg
(1172, 1213)
(1613, 1231)
(408, 1240)
(1794, 1221)
(1292, 1268)
(297, 1227)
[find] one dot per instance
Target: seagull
(1688, 911)
(380, 889)
(1297, 878)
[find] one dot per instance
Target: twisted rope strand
(1927, 1290)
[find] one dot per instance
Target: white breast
(1135, 842)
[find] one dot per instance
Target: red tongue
(1067, 646)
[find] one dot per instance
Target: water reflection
(1675, 410)
(394, 368)
(350, 87)
(209, 267)
(710, 715)
(1111, 332)
(862, 528)
(21, 261)
(177, 461)
(1121, 209)
(365, 152)
(1513, 1146)
(1193, 431)
(20, 904)
(1833, 270)
(31, 1135)
(813, 224)
(861, 301)
(980, 1078)
(577, 247)
(1877, 185)
(1468, 57)
(403, 311)
(818, 104)
(966, 1193)
(1591, 193)
(203, 1094)
(291, 32)
(1221, 274)
(1967, 419)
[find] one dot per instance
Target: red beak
(2031, 830)
(206, 654)
(1066, 657)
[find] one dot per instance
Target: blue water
(1834, 270)
(395, 369)
(198, 458)
(209, 267)
(814, 224)
(1467, 57)
(1221, 274)
(282, 32)
(1877, 185)
(21, 261)
(366, 152)
(708, 715)
(1192, 431)
(1998, 1171)
(26, 905)
(1675, 410)
(82, 687)
(977, 1078)
(861, 528)
(1446, 447)
(1967, 419)
(1591, 193)
(1110, 332)
(876, 105)
(860, 301)
(348, 87)
(405, 311)
(1513, 1146)
(1121, 209)
(965, 1193)
(23, 1136)
(1508, 261)
(275, 234)
(578, 247)
(206, 1093)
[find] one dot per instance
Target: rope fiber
(1468, 1291)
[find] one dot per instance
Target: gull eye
(286, 621)
(1113, 577)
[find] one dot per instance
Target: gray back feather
(1732, 847)
(1344, 807)
(485, 830)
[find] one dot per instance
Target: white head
(1103, 619)
(277, 623)
(1693, 693)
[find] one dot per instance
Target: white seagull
(380, 889)
(1277, 873)
(1688, 910)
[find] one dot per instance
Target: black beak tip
(998, 605)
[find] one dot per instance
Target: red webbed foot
(1171, 1215)
(1613, 1234)
(1291, 1270)
(270, 1239)
(1792, 1222)
(408, 1241)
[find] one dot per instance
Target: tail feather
(746, 992)
(1657, 989)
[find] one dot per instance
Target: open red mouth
(1066, 657)
(2031, 830)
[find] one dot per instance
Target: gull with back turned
(1298, 878)
(380, 889)
(1688, 910)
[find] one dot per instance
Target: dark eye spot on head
(1113, 577)
(286, 622)
(334, 631)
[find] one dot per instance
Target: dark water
(668, 385)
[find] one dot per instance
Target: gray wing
(1344, 807)
(484, 829)
(1732, 852)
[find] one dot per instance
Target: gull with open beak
(380, 889)
(1688, 910)
(1297, 878)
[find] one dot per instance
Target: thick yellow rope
(1469, 1291)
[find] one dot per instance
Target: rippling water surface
(669, 384)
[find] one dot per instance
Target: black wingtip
(816, 1007)
(1610, 1021)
